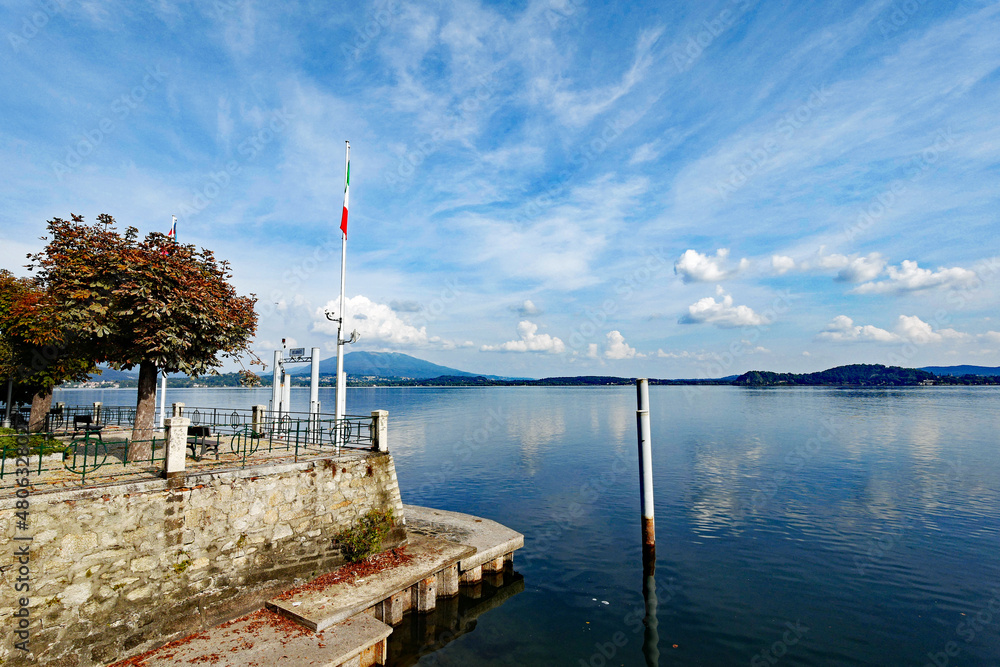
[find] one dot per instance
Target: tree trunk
(40, 405)
(145, 411)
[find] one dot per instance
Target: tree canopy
(148, 303)
(36, 350)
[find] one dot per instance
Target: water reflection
(422, 634)
(651, 635)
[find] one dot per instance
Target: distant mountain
(989, 371)
(109, 375)
(383, 365)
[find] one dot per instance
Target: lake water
(796, 526)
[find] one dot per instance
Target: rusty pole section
(645, 472)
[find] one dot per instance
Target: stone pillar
(380, 430)
(257, 420)
(97, 412)
(178, 410)
(61, 406)
(177, 428)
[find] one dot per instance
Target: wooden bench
(201, 436)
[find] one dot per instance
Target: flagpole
(163, 382)
(341, 378)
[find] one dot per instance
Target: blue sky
(561, 187)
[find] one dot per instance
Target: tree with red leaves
(151, 303)
(36, 352)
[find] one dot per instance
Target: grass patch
(365, 538)
(37, 442)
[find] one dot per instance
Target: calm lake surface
(795, 526)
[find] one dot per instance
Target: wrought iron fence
(243, 434)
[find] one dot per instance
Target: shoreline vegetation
(853, 375)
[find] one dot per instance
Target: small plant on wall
(365, 538)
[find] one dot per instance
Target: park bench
(201, 436)
(85, 424)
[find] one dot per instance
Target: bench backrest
(82, 419)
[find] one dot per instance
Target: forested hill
(865, 375)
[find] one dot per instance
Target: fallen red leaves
(348, 573)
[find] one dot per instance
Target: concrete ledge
(264, 639)
(491, 540)
(319, 609)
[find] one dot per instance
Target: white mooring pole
(645, 472)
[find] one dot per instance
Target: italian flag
(347, 193)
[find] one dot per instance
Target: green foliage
(37, 443)
(365, 538)
(866, 375)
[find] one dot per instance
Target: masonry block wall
(116, 570)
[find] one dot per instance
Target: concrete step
(494, 543)
(432, 569)
(265, 639)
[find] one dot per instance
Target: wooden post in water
(645, 472)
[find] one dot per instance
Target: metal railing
(242, 435)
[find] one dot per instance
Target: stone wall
(119, 569)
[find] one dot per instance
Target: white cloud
(850, 268)
(527, 309)
(842, 329)
(782, 264)
(375, 322)
(911, 278)
(722, 313)
(592, 351)
(917, 331)
(991, 336)
(530, 341)
(859, 269)
(908, 328)
(692, 266)
(617, 348)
